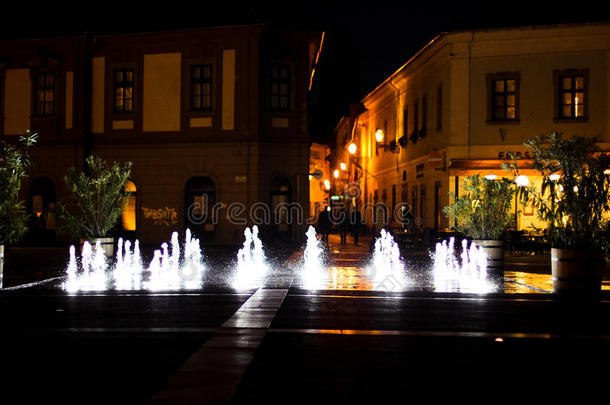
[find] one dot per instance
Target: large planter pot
(577, 271)
(107, 246)
(1, 264)
(494, 249)
(106, 243)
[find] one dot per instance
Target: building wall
(240, 143)
(318, 194)
(461, 62)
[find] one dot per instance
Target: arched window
(42, 203)
(42, 191)
(128, 218)
(199, 198)
(280, 195)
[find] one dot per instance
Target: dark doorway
(199, 199)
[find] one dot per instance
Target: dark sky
(366, 41)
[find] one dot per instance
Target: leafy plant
(14, 163)
(99, 198)
(483, 210)
(573, 197)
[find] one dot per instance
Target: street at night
(304, 202)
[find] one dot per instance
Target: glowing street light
(327, 184)
(554, 177)
(336, 174)
(343, 166)
(352, 148)
(388, 147)
(522, 181)
(379, 135)
(491, 177)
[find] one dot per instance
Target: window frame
(45, 87)
(439, 108)
(558, 75)
(275, 100)
(124, 84)
(492, 78)
(424, 116)
(202, 80)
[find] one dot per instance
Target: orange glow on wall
(128, 217)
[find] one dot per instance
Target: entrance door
(200, 197)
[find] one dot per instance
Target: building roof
(442, 35)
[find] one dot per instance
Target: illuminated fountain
(387, 269)
(313, 272)
(168, 270)
(466, 273)
(251, 267)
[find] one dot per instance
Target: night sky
(366, 41)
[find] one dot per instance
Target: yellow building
(319, 173)
(467, 100)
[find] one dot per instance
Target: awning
(469, 167)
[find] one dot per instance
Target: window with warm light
(503, 97)
(572, 93)
(128, 218)
(123, 90)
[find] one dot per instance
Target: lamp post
(388, 147)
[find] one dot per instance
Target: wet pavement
(351, 339)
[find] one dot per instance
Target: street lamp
(343, 166)
(388, 147)
(336, 174)
(522, 181)
(352, 148)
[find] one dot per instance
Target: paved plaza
(346, 342)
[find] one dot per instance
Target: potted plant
(14, 163)
(99, 198)
(573, 200)
(482, 214)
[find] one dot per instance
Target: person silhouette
(324, 223)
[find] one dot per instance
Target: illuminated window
(201, 87)
(44, 93)
(280, 87)
(571, 94)
(123, 90)
(128, 218)
(503, 98)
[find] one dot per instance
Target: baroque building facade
(464, 104)
(213, 119)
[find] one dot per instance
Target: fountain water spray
(313, 273)
(468, 273)
(387, 270)
(251, 266)
(167, 270)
